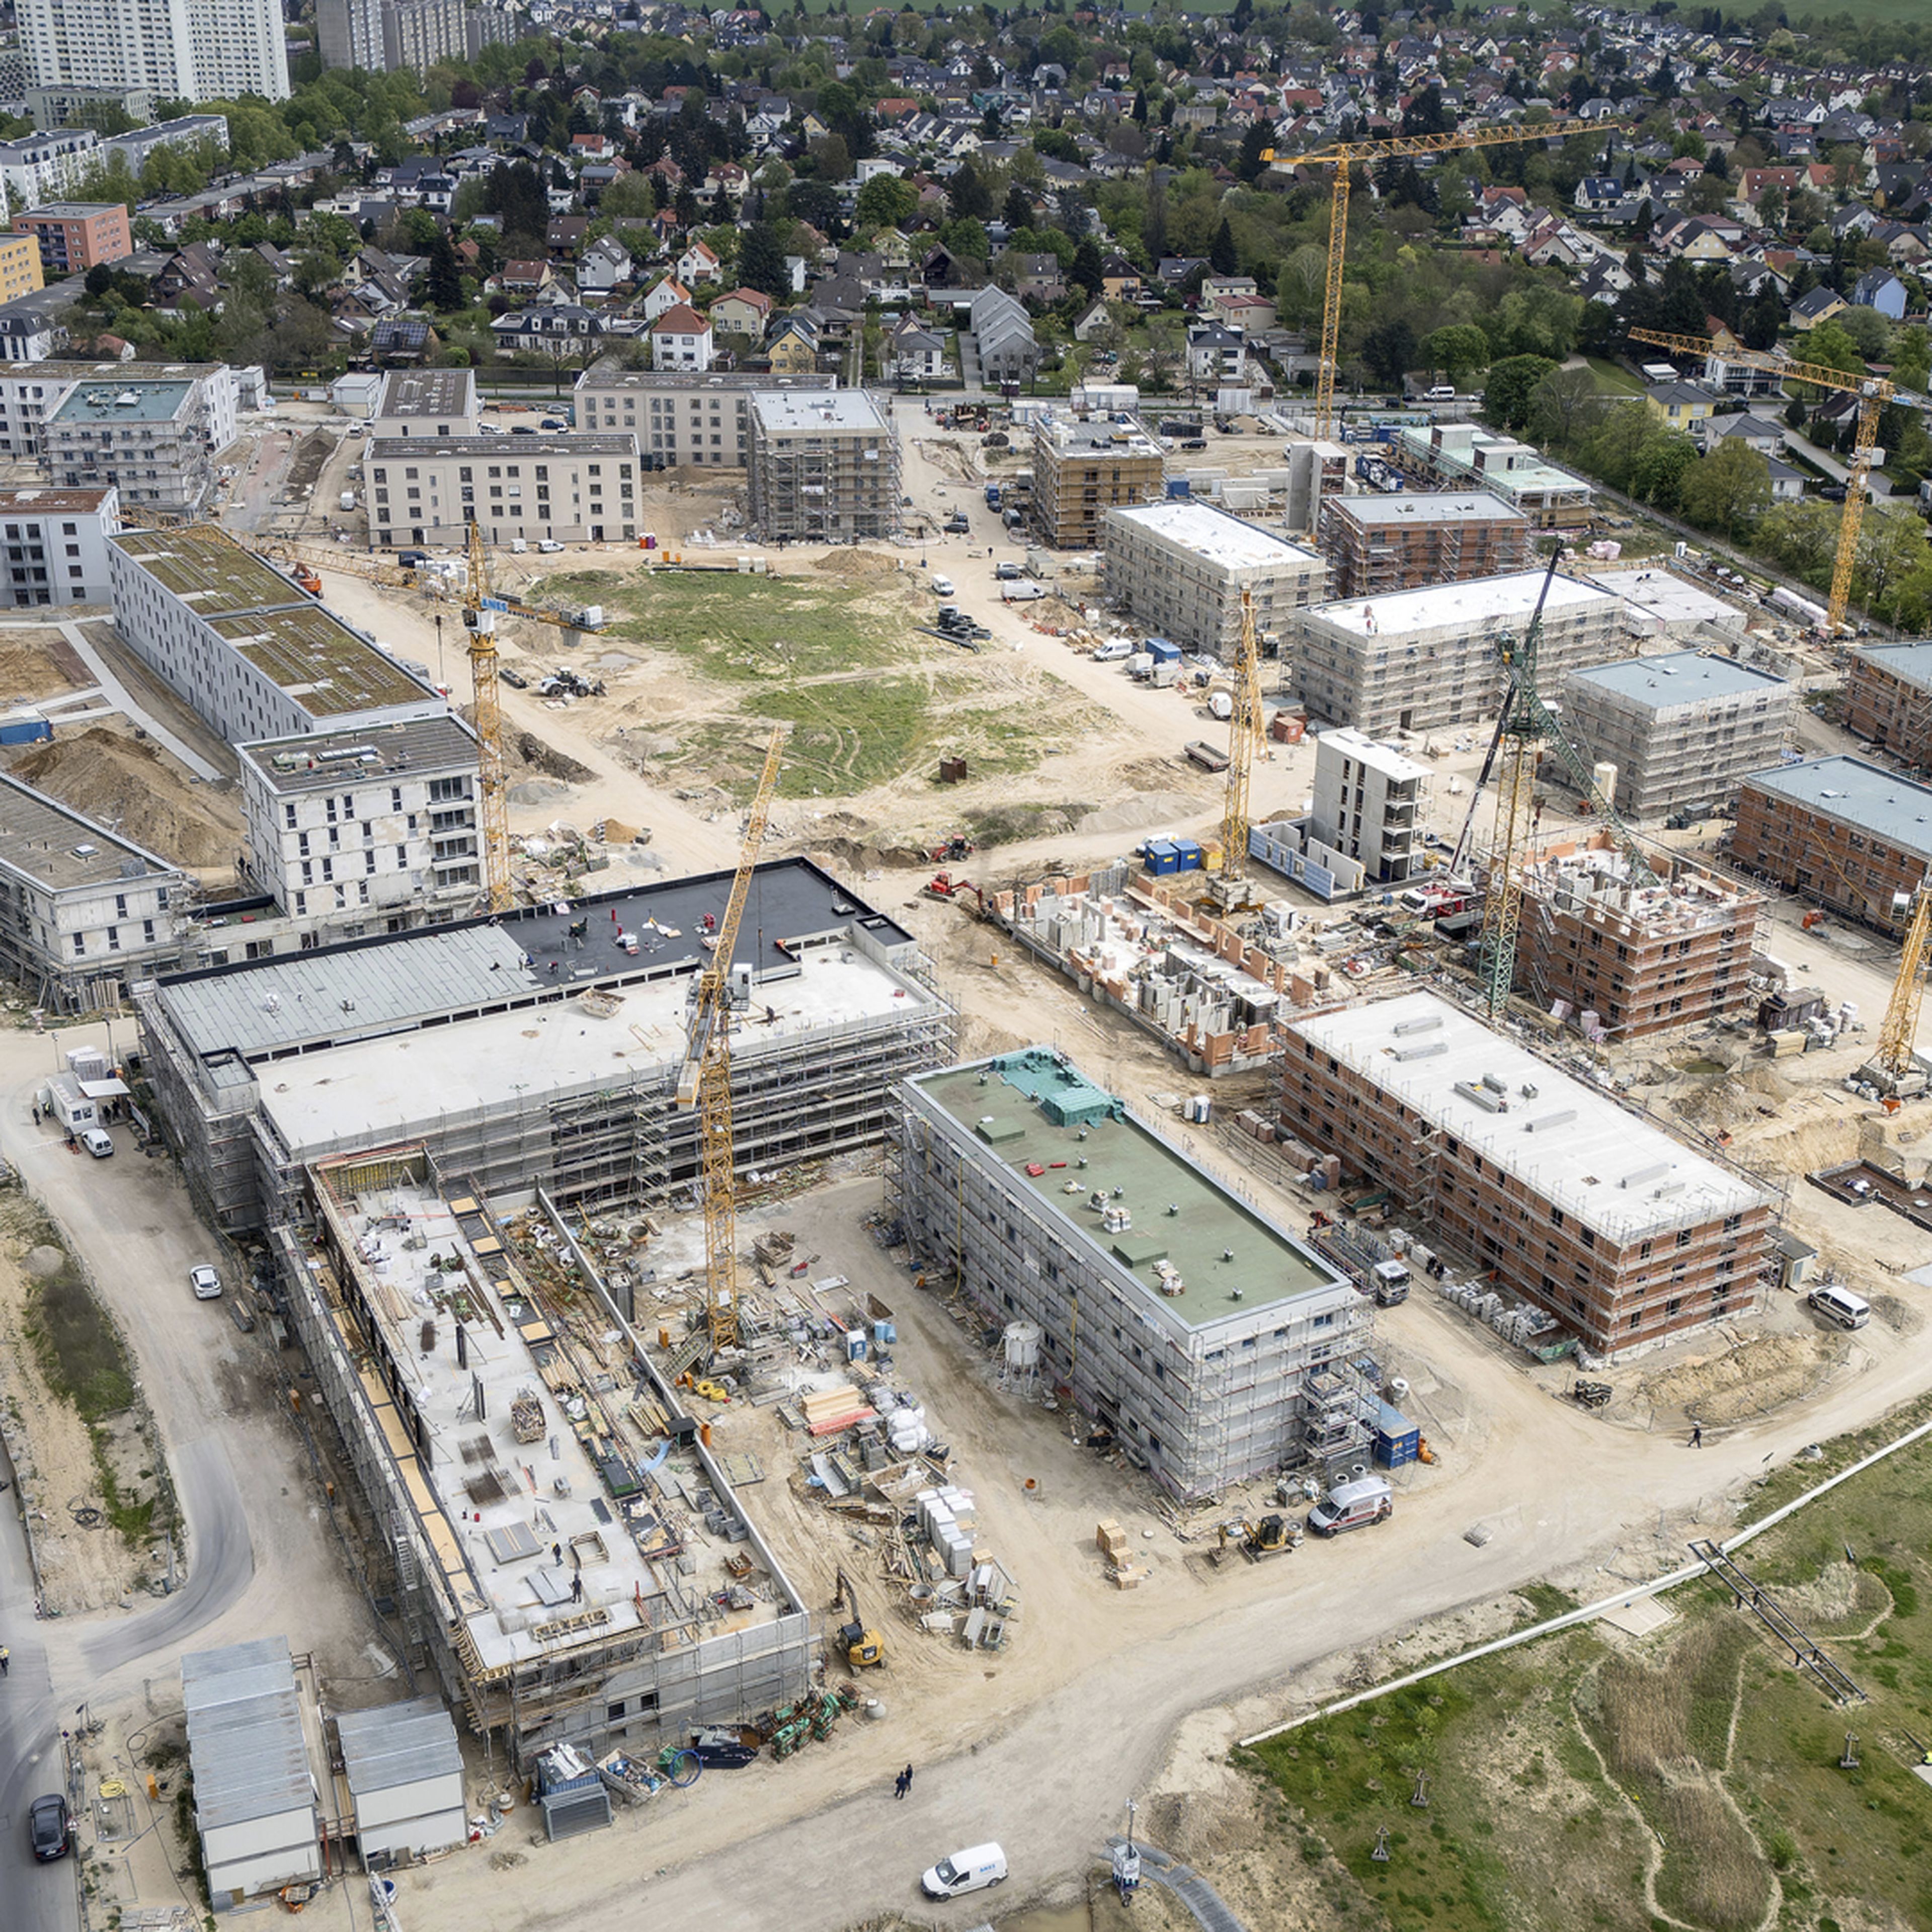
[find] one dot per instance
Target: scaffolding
(824, 467)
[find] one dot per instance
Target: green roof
(1176, 1214)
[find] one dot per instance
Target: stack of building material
(1113, 1545)
(829, 1411)
(946, 1516)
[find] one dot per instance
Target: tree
(761, 259)
(1727, 490)
(1389, 352)
(1564, 406)
(1829, 347)
(444, 278)
(1256, 142)
(886, 201)
(1892, 545)
(1018, 212)
(965, 237)
(1086, 272)
(1794, 416)
(1658, 471)
(1870, 332)
(1512, 382)
(967, 194)
(1456, 350)
(1223, 256)
(1762, 318)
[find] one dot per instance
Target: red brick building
(1888, 699)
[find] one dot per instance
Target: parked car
(958, 524)
(549, 546)
(1839, 1306)
(98, 1142)
(971, 1871)
(523, 429)
(552, 422)
(50, 1828)
(1350, 1505)
(1007, 571)
(206, 1282)
(942, 586)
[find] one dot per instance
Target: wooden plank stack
(827, 1411)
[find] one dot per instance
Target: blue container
(1397, 1440)
(883, 1334)
(1189, 856)
(25, 731)
(855, 1348)
(1162, 856)
(1162, 651)
(1178, 488)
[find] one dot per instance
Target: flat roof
(412, 1081)
(1078, 435)
(1389, 760)
(1476, 600)
(397, 1745)
(321, 761)
(69, 210)
(139, 400)
(546, 445)
(1425, 506)
(697, 379)
(42, 839)
(545, 1543)
(1567, 1142)
(428, 392)
(1664, 595)
(1891, 808)
(1911, 664)
(1181, 1215)
(38, 502)
(1215, 536)
(1679, 677)
(210, 573)
(391, 982)
(799, 412)
(246, 1741)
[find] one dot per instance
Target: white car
(206, 1282)
(942, 586)
(549, 546)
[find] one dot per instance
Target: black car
(49, 1827)
(957, 524)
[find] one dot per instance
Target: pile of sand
(1140, 811)
(37, 664)
(858, 566)
(1744, 1381)
(130, 786)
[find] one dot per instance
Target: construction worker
(6, 1657)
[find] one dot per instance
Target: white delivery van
(942, 586)
(971, 1871)
(346, 501)
(1443, 392)
(98, 1142)
(1349, 1505)
(1021, 590)
(1113, 650)
(1840, 1305)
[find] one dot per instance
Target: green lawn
(1564, 1775)
(1613, 377)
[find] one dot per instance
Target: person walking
(905, 1780)
(6, 1657)
(1696, 1435)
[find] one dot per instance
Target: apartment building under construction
(542, 1048)
(1084, 466)
(1375, 544)
(1888, 699)
(1681, 728)
(1577, 1203)
(567, 1558)
(1205, 1338)
(1625, 959)
(824, 466)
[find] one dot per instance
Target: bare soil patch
(38, 663)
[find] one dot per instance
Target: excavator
(1274, 1535)
(864, 1649)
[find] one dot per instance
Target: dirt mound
(1746, 1382)
(306, 465)
(1005, 825)
(525, 751)
(127, 784)
(858, 566)
(1139, 812)
(37, 664)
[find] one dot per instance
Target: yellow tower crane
(1342, 156)
(706, 1076)
(1894, 1067)
(1244, 743)
(1873, 392)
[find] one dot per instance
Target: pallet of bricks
(1114, 1547)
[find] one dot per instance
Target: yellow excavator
(1272, 1536)
(864, 1649)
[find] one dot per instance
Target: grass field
(1613, 378)
(1688, 1778)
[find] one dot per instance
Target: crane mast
(705, 1078)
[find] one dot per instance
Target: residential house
(1120, 279)
(793, 349)
(667, 294)
(1037, 278)
(698, 266)
(914, 354)
(525, 280)
(743, 312)
(564, 234)
(1820, 305)
(1095, 321)
(1002, 334)
(1881, 290)
(681, 339)
(603, 267)
(1681, 405)
(894, 249)
(1216, 354)
(1247, 315)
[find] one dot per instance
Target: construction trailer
(1681, 728)
(1376, 544)
(1622, 1234)
(542, 1048)
(1207, 1340)
(558, 1541)
(403, 1768)
(1624, 958)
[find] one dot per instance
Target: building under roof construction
(538, 1047)
(1617, 1230)
(1203, 1336)
(1623, 959)
(567, 1558)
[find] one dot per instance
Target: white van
(942, 586)
(1840, 1305)
(1349, 1505)
(1443, 392)
(1113, 650)
(971, 1871)
(98, 1142)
